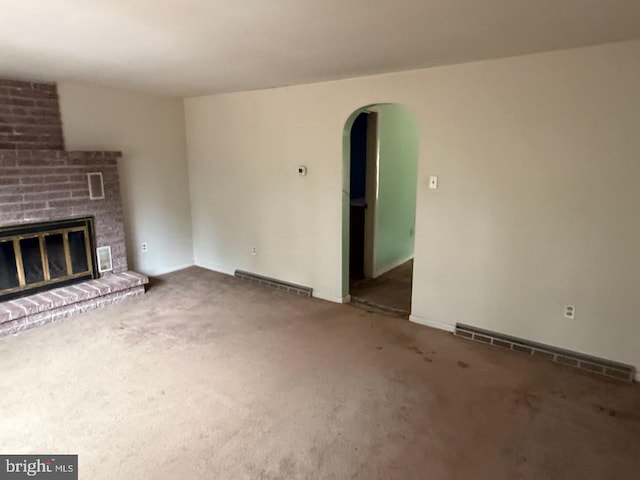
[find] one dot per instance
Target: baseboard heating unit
(591, 364)
(275, 284)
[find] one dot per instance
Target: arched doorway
(380, 145)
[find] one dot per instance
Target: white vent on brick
(96, 185)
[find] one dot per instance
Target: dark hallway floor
(389, 292)
(209, 377)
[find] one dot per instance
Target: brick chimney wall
(40, 181)
(47, 185)
(29, 116)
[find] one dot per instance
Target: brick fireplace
(44, 186)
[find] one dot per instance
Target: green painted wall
(398, 135)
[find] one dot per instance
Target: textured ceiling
(193, 47)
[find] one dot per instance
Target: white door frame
(371, 191)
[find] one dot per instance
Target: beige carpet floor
(207, 377)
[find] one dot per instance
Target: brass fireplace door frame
(63, 228)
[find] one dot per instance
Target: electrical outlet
(145, 247)
(254, 250)
(570, 311)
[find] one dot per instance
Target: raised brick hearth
(40, 181)
(60, 303)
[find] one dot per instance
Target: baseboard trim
(331, 298)
(388, 268)
(176, 268)
(433, 324)
(588, 363)
(214, 268)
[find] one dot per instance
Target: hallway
(390, 292)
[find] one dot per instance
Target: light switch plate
(433, 182)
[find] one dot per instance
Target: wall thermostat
(302, 170)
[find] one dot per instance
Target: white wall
(538, 204)
(149, 130)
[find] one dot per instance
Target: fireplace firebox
(37, 257)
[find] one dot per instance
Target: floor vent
(591, 364)
(273, 283)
